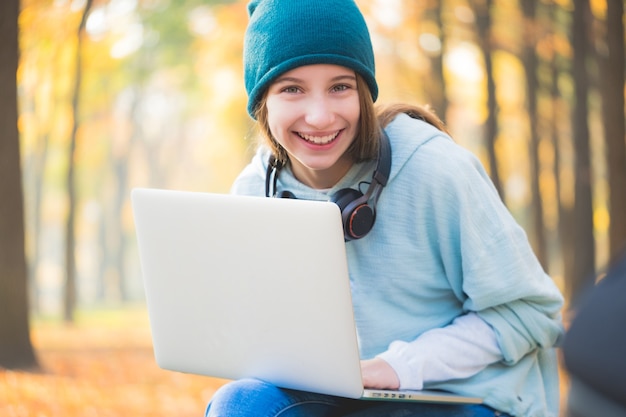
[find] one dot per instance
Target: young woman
(447, 292)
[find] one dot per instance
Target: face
(313, 113)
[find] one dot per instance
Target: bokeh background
(117, 94)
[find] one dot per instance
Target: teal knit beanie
(286, 34)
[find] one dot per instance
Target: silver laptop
(253, 287)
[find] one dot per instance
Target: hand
(378, 374)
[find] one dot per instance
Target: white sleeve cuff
(459, 350)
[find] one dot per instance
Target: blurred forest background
(117, 94)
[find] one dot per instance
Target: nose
(319, 112)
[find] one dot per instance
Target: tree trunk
(612, 84)
(483, 25)
(38, 169)
(583, 271)
(558, 113)
(437, 87)
(69, 304)
(16, 350)
(538, 237)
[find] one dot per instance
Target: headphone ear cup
(356, 214)
(345, 196)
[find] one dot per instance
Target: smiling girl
(447, 292)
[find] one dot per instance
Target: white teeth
(319, 140)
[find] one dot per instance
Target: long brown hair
(386, 114)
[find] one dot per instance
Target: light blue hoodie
(444, 245)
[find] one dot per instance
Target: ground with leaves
(102, 366)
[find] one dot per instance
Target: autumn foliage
(101, 367)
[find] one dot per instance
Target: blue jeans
(251, 397)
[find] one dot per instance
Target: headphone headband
(383, 166)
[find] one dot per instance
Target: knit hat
(286, 34)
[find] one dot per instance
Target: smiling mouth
(319, 140)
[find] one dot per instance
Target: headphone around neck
(357, 214)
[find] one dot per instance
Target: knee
(236, 397)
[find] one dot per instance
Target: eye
(342, 87)
(290, 90)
